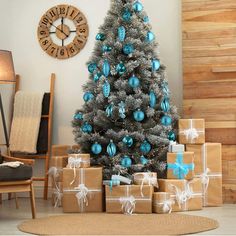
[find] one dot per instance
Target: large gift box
(129, 199)
(82, 190)
(191, 131)
(208, 166)
(180, 165)
(186, 194)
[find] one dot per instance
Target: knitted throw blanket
(26, 122)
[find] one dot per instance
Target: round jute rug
(118, 224)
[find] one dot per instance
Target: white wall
(19, 21)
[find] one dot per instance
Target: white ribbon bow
(167, 206)
(53, 172)
(128, 204)
(74, 162)
(191, 134)
(147, 177)
(82, 194)
(205, 179)
(58, 197)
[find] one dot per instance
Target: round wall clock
(63, 31)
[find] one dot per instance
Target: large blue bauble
(171, 136)
(134, 82)
(128, 49)
(97, 77)
(100, 37)
(166, 120)
(153, 99)
(88, 96)
(145, 147)
(106, 88)
(87, 128)
(109, 110)
(96, 148)
(78, 116)
(126, 162)
(106, 48)
(155, 65)
(120, 68)
(111, 149)
(137, 6)
(165, 105)
(150, 36)
(139, 115)
(143, 160)
(92, 67)
(121, 33)
(127, 15)
(127, 140)
(106, 68)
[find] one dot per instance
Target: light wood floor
(10, 217)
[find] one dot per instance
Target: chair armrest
(25, 161)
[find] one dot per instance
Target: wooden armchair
(16, 186)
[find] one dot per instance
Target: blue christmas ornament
(96, 148)
(97, 77)
(121, 33)
(150, 37)
(111, 149)
(139, 115)
(143, 160)
(166, 120)
(145, 147)
(120, 68)
(171, 136)
(122, 110)
(127, 140)
(109, 110)
(100, 37)
(155, 65)
(165, 105)
(165, 89)
(106, 68)
(106, 48)
(137, 6)
(106, 88)
(92, 67)
(127, 15)
(88, 96)
(126, 162)
(153, 99)
(78, 116)
(128, 49)
(146, 19)
(134, 82)
(87, 128)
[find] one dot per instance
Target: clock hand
(58, 29)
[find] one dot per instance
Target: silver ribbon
(58, 197)
(82, 194)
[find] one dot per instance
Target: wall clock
(63, 31)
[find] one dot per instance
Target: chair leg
(0, 198)
(16, 201)
(9, 196)
(32, 201)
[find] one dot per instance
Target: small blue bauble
(92, 67)
(106, 88)
(122, 110)
(137, 6)
(128, 49)
(134, 82)
(126, 162)
(165, 105)
(145, 147)
(97, 77)
(78, 116)
(139, 115)
(153, 99)
(111, 149)
(87, 128)
(96, 148)
(166, 120)
(88, 96)
(165, 89)
(106, 48)
(106, 68)
(100, 37)
(155, 65)
(143, 160)
(127, 140)
(120, 68)
(109, 110)
(121, 33)
(150, 37)
(146, 19)
(171, 136)
(127, 15)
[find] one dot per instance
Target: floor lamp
(7, 76)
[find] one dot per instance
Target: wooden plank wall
(209, 65)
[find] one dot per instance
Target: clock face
(63, 31)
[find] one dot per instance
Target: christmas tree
(127, 120)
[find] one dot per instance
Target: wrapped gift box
(191, 131)
(162, 202)
(186, 194)
(145, 178)
(82, 190)
(129, 199)
(208, 166)
(78, 160)
(174, 147)
(180, 165)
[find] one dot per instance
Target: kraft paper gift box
(129, 199)
(208, 166)
(180, 165)
(78, 160)
(145, 178)
(186, 194)
(191, 131)
(82, 190)
(162, 203)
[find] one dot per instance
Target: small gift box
(208, 166)
(79, 160)
(186, 194)
(162, 203)
(180, 165)
(128, 199)
(82, 190)
(174, 147)
(191, 131)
